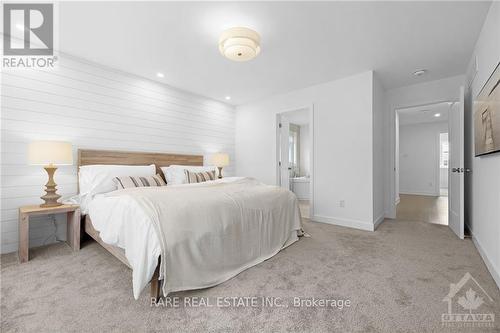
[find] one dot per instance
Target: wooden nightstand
(73, 234)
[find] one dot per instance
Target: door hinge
(279, 163)
(279, 125)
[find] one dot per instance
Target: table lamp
(49, 154)
(220, 160)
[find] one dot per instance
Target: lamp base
(220, 172)
(51, 197)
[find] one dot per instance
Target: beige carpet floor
(396, 279)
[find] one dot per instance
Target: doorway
(456, 169)
(294, 143)
(423, 159)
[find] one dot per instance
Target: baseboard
(378, 221)
(356, 224)
(494, 271)
(429, 194)
(389, 214)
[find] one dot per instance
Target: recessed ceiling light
(437, 115)
(227, 98)
(20, 26)
(160, 74)
(420, 72)
(239, 44)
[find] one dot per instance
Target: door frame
(439, 160)
(393, 191)
(279, 114)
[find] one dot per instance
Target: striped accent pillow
(138, 181)
(199, 177)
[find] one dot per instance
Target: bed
(188, 236)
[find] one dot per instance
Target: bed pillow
(94, 179)
(199, 177)
(138, 181)
(175, 174)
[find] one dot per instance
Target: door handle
(457, 170)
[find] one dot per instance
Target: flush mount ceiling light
(227, 98)
(420, 72)
(437, 115)
(160, 74)
(239, 44)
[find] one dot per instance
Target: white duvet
(205, 233)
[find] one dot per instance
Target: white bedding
(206, 232)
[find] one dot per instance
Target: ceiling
(424, 114)
(302, 43)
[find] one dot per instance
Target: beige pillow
(199, 177)
(138, 181)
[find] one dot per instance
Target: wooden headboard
(90, 157)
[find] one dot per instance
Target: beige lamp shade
(220, 159)
(50, 153)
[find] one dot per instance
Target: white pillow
(94, 179)
(175, 174)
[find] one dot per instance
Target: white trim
(427, 194)
(398, 200)
(494, 271)
(378, 221)
(356, 224)
(437, 169)
(391, 213)
(312, 171)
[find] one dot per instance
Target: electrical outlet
(342, 203)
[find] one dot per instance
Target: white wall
(419, 94)
(342, 146)
(305, 144)
(483, 206)
(94, 107)
(419, 171)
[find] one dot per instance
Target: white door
(456, 167)
(284, 144)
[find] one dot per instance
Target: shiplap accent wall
(93, 106)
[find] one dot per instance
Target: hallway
(423, 208)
